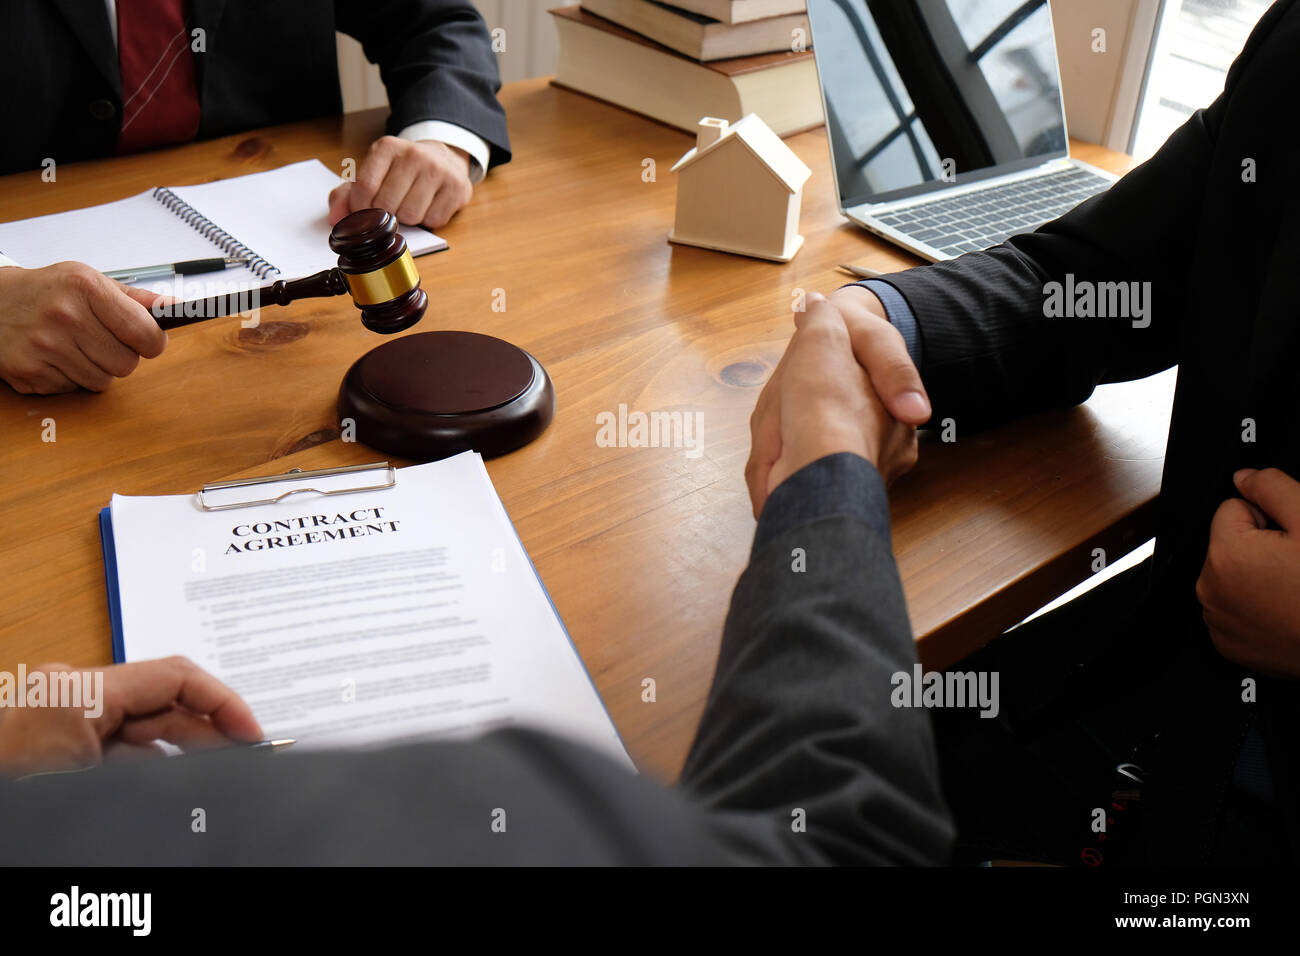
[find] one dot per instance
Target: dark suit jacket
(1223, 256)
(799, 758)
(265, 63)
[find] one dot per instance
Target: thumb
(825, 396)
(1234, 517)
(1275, 492)
(152, 301)
(881, 350)
(339, 197)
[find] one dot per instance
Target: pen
(270, 746)
(862, 272)
(167, 270)
(273, 745)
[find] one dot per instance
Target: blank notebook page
(126, 234)
(279, 215)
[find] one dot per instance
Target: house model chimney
(710, 131)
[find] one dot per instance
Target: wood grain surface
(639, 547)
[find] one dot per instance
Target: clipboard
(343, 479)
(215, 489)
(294, 474)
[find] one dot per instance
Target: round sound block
(435, 394)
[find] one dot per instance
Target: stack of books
(723, 58)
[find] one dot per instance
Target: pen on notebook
(168, 270)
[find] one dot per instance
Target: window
(1196, 42)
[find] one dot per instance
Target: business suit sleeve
(798, 728)
(990, 352)
(798, 719)
(437, 63)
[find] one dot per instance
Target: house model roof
(764, 144)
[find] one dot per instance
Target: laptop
(946, 126)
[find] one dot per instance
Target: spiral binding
(231, 246)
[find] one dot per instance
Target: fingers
(340, 202)
(108, 343)
(176, 726)
(821, 344)
(816, 310)
(899, 453)
(119, 752)
(1238, 537)
(765, 422)
(826, 402)
(421, 183)
(66, 325)
(765, 443)
(1276, 493)
(127, 319)
(155, 303)
(47, 738)
(1232, 518)
(105, 357)
(881, 350)
(152, 687)
(42, 379)
(401, 175)
(818, 402)
(450, 199)
(373, 171)
(850, 404)
(76, 365)
(414, 206)
(78, 349)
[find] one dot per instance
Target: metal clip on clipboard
(296, 474)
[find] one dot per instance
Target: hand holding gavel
(375, 268)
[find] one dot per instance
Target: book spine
(223, 240)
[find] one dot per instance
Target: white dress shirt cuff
(453, 135)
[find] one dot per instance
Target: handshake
(845, 384)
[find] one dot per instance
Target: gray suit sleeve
(798, 719)
(800, 756)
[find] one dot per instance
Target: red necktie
(160, 101)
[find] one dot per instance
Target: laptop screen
(923, 93)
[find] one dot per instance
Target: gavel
(375, 268)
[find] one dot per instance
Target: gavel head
(379, 271)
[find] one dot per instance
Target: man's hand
(169, 699)
(422, 183)
(67, 325)
(880, 350)
(1251, 576)
(818, 402)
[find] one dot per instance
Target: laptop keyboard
(980, 219)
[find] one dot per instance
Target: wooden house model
(738, 190)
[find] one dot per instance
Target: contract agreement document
(374, 616)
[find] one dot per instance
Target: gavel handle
(322, 284)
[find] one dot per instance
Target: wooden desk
(639, 547)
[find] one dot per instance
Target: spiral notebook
(276, 220)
